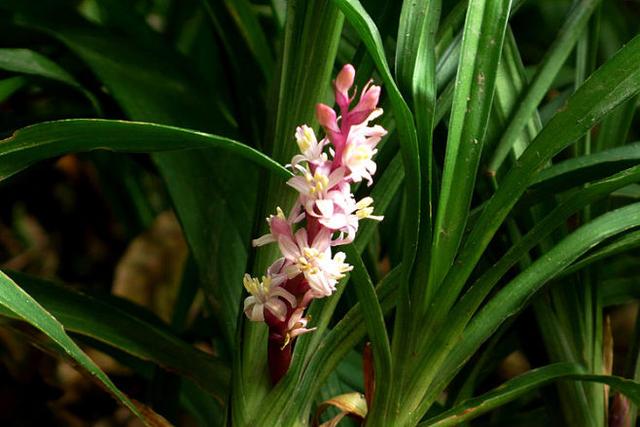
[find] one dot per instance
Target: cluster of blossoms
(325, 214)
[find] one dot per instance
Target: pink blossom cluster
(325, 215)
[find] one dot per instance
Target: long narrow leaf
(366, 28)
(610, 85)
(26, 308)
(623, 244)
(555, 57)
(115, 323)
(480, 54)
(524, 384)
(27, 61)
(374, 320)
(50, 139)
(513, 297)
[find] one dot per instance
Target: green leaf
(524, 384)
(10, 86)
(507, 392)
(50, 139)
(370, 36)
(586, 168)
(614, 129)
(510, 85)
(415, 49)
(345, 335)
(613, 83)
(249, 26)
(376, 329)
(152, 82)
(544, 226)
(385, 188)
(305, 71)
(416, 71)
(24, 307)
(473, 298)
(126, 327)
(482, 41)
(26, 61)
(619, 291)
(332, 349)
(368, 32)
(513, 297)
(546, 73)
(620, 245)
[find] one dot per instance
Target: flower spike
(325, 215)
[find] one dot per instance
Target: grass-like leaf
(473, 96)
(613, 83)
(546, 73)
(122, 325)
(513, 297)
(587, 168)
(24, 307)
(524, 384)
(50, 139)
(26, 61)
(377, 330)
(152, 82)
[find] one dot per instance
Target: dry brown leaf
(513, 365)
(350, 404)
(150, 270)
(607, 357)
(153, 418)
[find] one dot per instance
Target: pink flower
(324, 171)
(279, 225)
(340, 212)
(366, 105)
(343, 83)
(329, 121)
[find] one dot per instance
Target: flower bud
(327, 118)
(345, 77)
(343, 83)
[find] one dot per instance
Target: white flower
(315, 186)
(340, 212)
(314, 260)
(309, 146)
(297, 326)
(266, 294)
(358, 153)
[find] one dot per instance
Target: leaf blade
(26, 308)
(50, 139)
(482, 41)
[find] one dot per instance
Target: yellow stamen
(364, 208)
(308, 139)
(287, 340)
(256, 287)
(362, 153)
